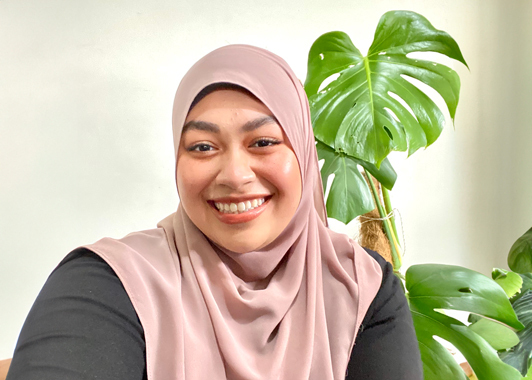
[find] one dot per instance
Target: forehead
(220, 101)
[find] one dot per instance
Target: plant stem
(389, 210)
(396, 257)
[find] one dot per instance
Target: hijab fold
(290, 310)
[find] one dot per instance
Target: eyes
(262, 142)
(202, 147)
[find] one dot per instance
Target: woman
(244, 281)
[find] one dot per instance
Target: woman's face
(238, 177)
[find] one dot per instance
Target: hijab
(290, 310)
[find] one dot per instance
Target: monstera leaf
(520, 256)
(356, 113)
(520, 356)
(349, 195)
(432, 287)
(510, 282)
(497, 335)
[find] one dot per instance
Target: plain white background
(86, 90)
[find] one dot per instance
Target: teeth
(236, 208)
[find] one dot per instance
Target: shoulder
(143, 254)
(81, 264)
(81, 316)
(386, 346)
(82, 273)
(390, 295)
(83, 281)
(378, 258)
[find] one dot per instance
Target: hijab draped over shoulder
(290, 310)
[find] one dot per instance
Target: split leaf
(358, 112)
(433, 287)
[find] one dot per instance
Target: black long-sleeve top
(83, 326)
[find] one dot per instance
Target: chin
(238, 241)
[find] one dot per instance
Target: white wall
(86, 90)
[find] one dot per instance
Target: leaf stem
(396, 257)
(389, 210)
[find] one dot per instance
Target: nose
(236, 170)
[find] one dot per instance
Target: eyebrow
(201, 126)
(214, 128)
(257, 123)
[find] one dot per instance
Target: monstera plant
(371, 108)
(518, 286)
(363, 108)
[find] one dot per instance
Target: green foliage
(520, 356)
(351, 114)
(498, 336)
(349, 195)
(520, 256)
(457, 288)
(510, 282)
(527, 281)
(518, 287)
(529, 374)
(432, 287)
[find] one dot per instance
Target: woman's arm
(386, 347)
(82, 326)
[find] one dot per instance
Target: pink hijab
(288, 311)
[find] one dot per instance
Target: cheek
(190, 182)
(288, 178)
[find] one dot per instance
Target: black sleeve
(82, 326)
(386, 347)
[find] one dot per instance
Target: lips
(238, 207)
(233, 211)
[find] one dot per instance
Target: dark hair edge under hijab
(218, 86)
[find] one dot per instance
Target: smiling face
(238, 177)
